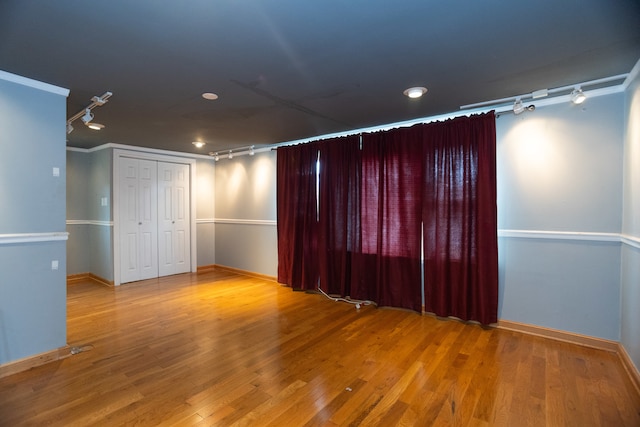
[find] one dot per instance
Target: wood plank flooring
(220, 349)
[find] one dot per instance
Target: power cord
(357, 303)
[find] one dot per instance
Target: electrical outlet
(54, 264)
(104, 201)
(56, 172)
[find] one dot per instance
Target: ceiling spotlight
(95, 126)
(217, 157)
(230, 154)
(518, 107)
(415, 92)
(210, 96)
(69, 128)
(198, 144)
(88, 116)
(251, 151)
(577, 96)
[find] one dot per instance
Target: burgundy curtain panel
(296, 199)
(460, 218)
(339, 214)
(389, 264)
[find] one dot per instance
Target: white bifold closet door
(173, 219)
(138, 220)
(155, 238)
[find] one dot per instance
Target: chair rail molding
(8, 239)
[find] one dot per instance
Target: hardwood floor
(223, 349)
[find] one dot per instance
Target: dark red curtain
(361, 235)
(297, 229)
(339, 213)
(389, 263)
(460, 218)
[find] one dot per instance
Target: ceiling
(291, 69)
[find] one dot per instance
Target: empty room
(281, 213)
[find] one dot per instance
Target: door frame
(115, 205)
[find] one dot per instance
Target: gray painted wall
(245, 210)
(205, 212)
(101, 234)
(560, 167)
(33, 299)
(32, 295)
(78, 168)
(246, 187)
(77, 210)
(90, 249)
(560, 170)
(630, 269)
(78, 249)
(28, 154)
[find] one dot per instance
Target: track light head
(69, 128)
(230, 154)
(101, 100)
(518, 107)
(577, 96)
(251, 151)
(88, 116)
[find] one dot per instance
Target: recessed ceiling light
(198, 144)
(210, 96)
(95, 126)
(415, 92)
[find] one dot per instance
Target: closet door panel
(138, 220)
(182, 225)
(173, 193)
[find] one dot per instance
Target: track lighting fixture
(199, 144)
(86, 114)
(577, 96)
(234, 152)
(573, 93)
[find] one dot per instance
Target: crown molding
(24, 81)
